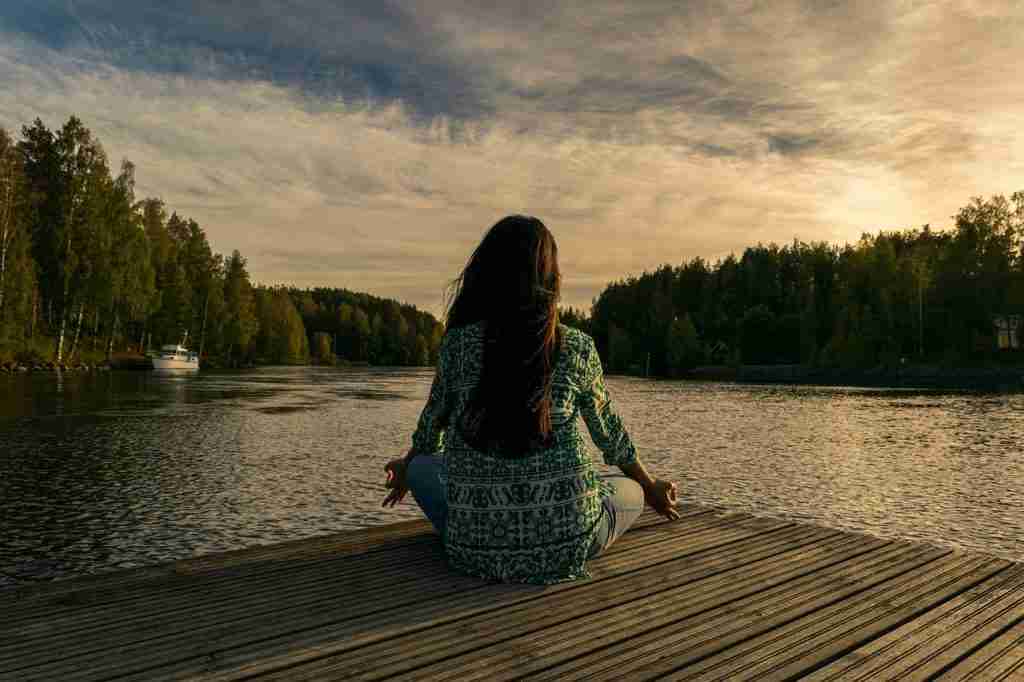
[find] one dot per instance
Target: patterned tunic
(531, 519)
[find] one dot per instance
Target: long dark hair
(512, 283)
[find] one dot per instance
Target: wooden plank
(88, 590)
(208, 602)
(284, 625)
(686, 636)
(251, 627)
(521, 654)
(404, 656)
(385, 627)
(735, 639)
(714, 596)
(800, 645)
(378, 539)
(926, 646)
(96, 606)
(353, 593)
(25, 603)
(1001, 658)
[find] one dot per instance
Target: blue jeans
(620, 509)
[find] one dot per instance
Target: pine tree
(240, 308)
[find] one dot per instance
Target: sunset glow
(369, 146)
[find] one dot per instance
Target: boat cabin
(176, 352)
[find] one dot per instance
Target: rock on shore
(16, 367)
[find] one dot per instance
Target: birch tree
(60, 170)
(17, 269)
(11, 196)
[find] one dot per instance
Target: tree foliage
(369, 329)
(281, 339)
(87, 267)
(916, 294)
(683, 347)
(17, 268)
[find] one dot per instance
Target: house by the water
(1008, 331)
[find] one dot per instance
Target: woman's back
(516, 495)
(513, 516)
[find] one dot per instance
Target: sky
(369, 144)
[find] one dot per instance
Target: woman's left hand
(395, 470)
(662, 496)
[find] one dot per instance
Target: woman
(515, 495)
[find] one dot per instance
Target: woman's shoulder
(471, 329)
(575, 341)
(459, 337)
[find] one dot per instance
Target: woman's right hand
(395, 471)
(661, 495)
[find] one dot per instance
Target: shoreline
(911, 376)
(26, 368)
(141, 363)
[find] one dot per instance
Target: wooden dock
(713, 596)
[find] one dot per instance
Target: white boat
(175, 357)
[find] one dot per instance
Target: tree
(757, 340)
(922, 271)
(422, 352)
(240, 308)
(682, 346)
(281, 336)
(41, 166)
(68, 182)
(82, 175)
(17, 269)
(809, 331)
(321, 350)
(574, 318)
(620, 349)
(363, 331)
(126, 286)
(436, 334)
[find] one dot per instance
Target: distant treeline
(946, 297)
(87, 269)
(359, 327)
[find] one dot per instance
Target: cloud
(370, 145)
(363, 50)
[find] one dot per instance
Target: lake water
(120, 469)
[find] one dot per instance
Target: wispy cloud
(369, 145)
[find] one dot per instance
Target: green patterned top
(531, 519)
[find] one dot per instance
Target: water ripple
(100, 472)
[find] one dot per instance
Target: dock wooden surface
(713, 596)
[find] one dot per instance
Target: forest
(943, 297)
(88, 270)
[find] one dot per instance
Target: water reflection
(927, 466)
(100, 471)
